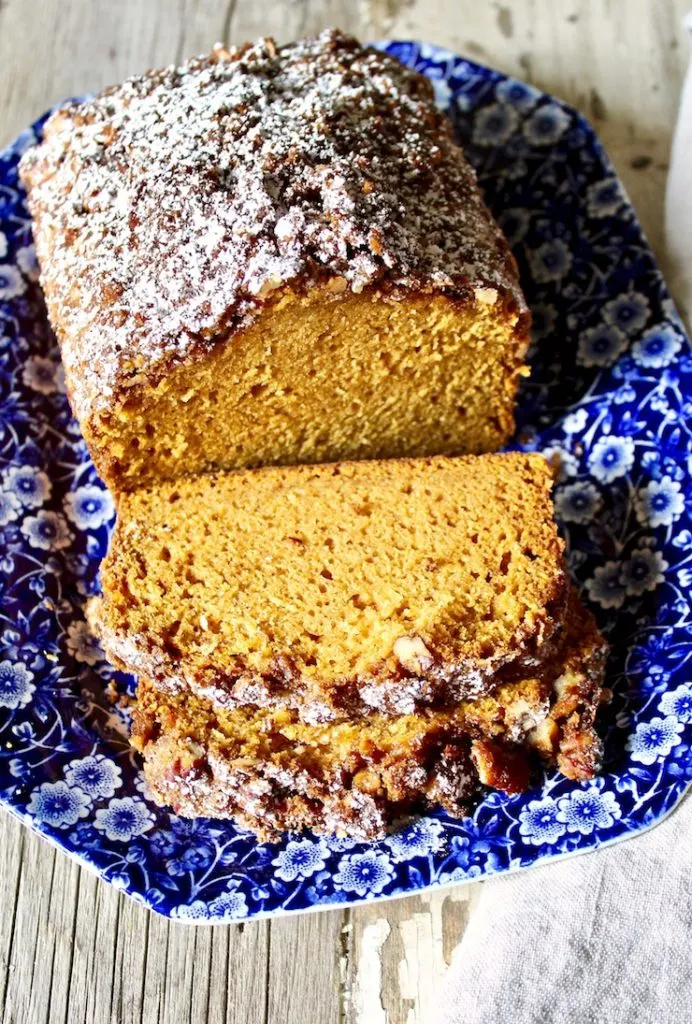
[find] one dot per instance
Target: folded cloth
(599, 939)
(604, 938)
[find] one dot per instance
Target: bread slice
(273, 773)
(337, 588)
(273, 255)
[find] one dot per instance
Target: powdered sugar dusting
(168, 210)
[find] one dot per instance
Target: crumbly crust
(389, 688)
(171, 209)
(365, 790)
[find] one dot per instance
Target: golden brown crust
(272, 773)
(568, 736)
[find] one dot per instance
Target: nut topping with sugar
(411, 652)
(170, 209)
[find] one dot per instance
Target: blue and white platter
(610, 395)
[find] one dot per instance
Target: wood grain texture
(399, 952)
(73, 950)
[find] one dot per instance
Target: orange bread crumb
(337, 588)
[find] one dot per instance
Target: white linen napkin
(604, 938)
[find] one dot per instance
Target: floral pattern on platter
(609, 401)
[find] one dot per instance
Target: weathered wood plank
(129, 963)
(12, 841)
(399, 952)
(246, 985)
(304, 970)
(91, 978)
(40, 952)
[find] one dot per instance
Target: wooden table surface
(73, 949)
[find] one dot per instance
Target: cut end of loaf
(324, 376)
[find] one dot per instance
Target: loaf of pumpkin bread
(273, 255)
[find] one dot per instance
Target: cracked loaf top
(170, 209)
